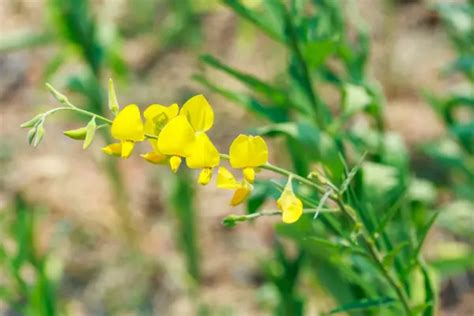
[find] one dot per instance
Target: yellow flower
(128, 128)
(248, 152)
(176, 140)
(290, 205)
(184, 136)
(156, 118)
(225, 180)
(203, 155)
(199, 113)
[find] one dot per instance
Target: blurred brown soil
(71, 183)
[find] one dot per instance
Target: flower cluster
(176, 134)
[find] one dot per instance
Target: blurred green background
(83, 234)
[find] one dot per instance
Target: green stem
(375, 255)
(288, 173)
(305, 72)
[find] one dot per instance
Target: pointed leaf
(363, 304)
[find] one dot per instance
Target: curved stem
(288, 173)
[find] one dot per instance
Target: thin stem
(288, 173)
(377, 258)
(278, 212)
(308, 83)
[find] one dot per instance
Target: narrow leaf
(363, 304)
(255, 18)
(252, 82)
(274, 114)
(424, 233)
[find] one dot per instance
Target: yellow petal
(175, 162)
(114, 149)
(176, 138)
(249, 174)
(225, 179)
(157, 115)
(290, 205)
(199, 113)
(127, 148)
(154, 157)
(248, 151)
(240, 194)
(203, 153)
(205, 176)
(128, 124)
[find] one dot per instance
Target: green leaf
(113, 103)
(364, 304)
(257, 85)
(449, 267)
(271, 113)
(390, 257)
(303, 132)
(355, 98)
(335, 246)
(430, 293)
(317, 52)
(423, 234)
(90, 132)
(256, 18)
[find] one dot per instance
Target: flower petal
(199, 113)
(157, 115)
(154, 157)
(127, 148)
(176, 138)
(128, 124)
(249, 174)
(226, 180)
(240, 194)
(248, 151)
(205, 176)
(290, 205)
(114, 149)
(175, 162)
(203, 153)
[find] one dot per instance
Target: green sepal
(32, 122)
(90, 132)
(113, 103)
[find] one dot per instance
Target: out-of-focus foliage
(29, 275)
(327, 45)
(453, 153)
